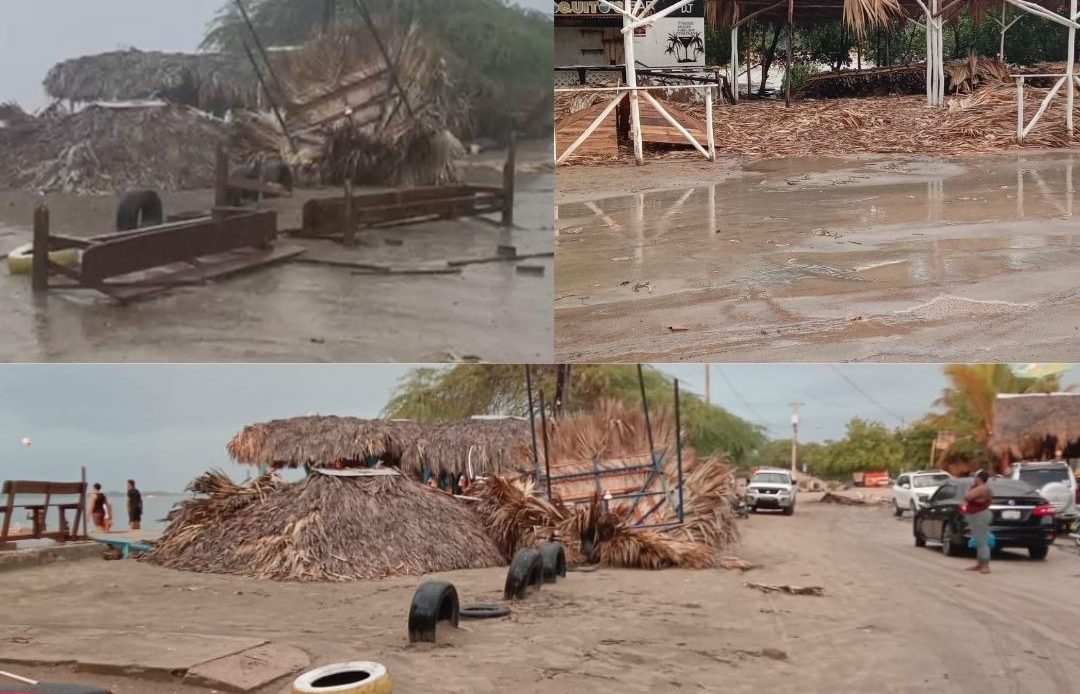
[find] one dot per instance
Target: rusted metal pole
(678, 448)
(390, 66)
(532, 422)
(39, 271)
(645, 407)
(509, 182)
(547, 455)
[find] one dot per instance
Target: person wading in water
(99, 509)
(977, 502)
(134, 506)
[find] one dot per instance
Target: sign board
(677, 40)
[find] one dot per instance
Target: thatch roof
(1023, 422)
(323, 528)
(208, 81)
(492, 446)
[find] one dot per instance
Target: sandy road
(894, 619)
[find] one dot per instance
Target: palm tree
(969, 403)
(673, 44)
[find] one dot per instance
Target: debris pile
(102, 150)
(851, 500)
(961, 76)
(517, 515)
(323, 528)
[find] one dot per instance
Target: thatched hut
(330, 526)
(212, 82)
(477, 447)
(1038, 426)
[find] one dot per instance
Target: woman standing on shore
(99, 509)
(977, 501)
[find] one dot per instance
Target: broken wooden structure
(133, 264)
(37, 512)
(338, 217)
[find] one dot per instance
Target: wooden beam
(39, 271)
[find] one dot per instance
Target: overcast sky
(37, 34)
(164, 424)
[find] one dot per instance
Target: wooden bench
(130, 264)
(37, 513)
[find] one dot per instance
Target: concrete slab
(103, 650)
(40, 556)
(252, 669)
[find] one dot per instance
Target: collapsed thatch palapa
(323, 528)
(487, 446)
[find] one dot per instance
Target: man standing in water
(977, 502)
(99, 509)
(134, 506)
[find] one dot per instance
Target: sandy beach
(894, 618)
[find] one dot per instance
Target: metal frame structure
(650, 465)
(635, 16)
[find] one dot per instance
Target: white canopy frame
(637, 15)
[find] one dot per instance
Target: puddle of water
(847, 220)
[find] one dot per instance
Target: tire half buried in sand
(358, 677)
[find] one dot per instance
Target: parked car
(912, 490)
(772, 488)
(1022, 518)
(1055, 481)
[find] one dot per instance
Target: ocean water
(155, 508)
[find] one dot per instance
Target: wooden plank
(180, 242)
(214, 267)
(326, 217)
(655, 128)
(603, 142)
(41, 487)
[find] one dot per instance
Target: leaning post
(39, 272)
(509, 182)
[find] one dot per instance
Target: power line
(741, 399)
(866, 395)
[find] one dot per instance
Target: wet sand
(894, 618)
(874, 258)
(298, 312)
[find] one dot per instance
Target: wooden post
(547, 455)
(509, 182)
(221, 176)
(39, 273)
(1020, 109)
(735, 57)
(709, 123)
(350, 222)
(787, 82)
(82, 504)
(749, 50)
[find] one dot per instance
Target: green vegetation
(967, 411)
(446, 394)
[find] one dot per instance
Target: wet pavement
(894, 259)
(300, 312)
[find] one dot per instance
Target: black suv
(1022, 518)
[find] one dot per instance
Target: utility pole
(795, 434)
(708, 396)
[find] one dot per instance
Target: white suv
(912, 490)
(1055, 481)
(771, 488)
